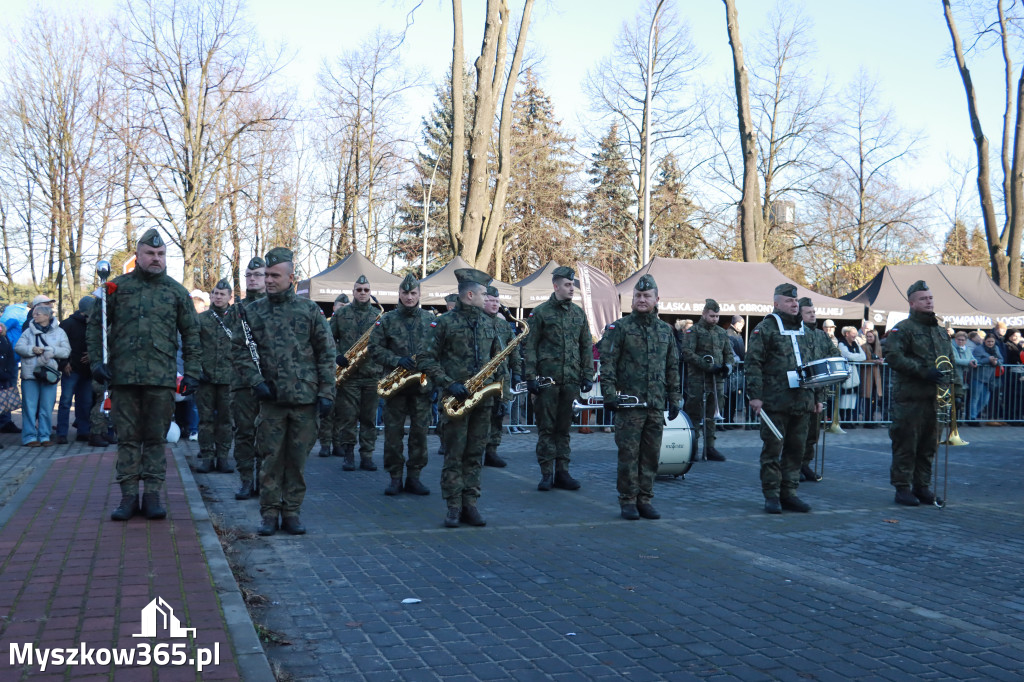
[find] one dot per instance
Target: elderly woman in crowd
(871, 388)
(963, 362)
(853, 353)
(989, 357)
(40, 346)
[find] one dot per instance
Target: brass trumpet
(521, 388)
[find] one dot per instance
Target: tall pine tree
(610, 208)
(673, 232)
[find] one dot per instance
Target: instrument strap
(792, 334)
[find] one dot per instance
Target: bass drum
(678, 446)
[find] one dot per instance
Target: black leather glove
(500, 408)
(341, 361)
(458, 390)
(673, 411)
(263, 391)
(716, 369)
(532, 386)
(101, 373)
(936, 376)
(406, 363)
(189, 385)
(708, 364)
(204, 378)
(586, 385)
(323, 406)
(612, 403)
(516, 379)
(725, 370)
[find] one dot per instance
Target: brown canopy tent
(740, 289)
(325, 286)
(441, 283)
(536, 288)
(965, 296)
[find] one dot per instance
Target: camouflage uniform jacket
(464, 340)
(145, 314)
(823, 347)
(559, 344)
(770, 356)
(295, 347)
(514, 361)
(400, 333)
(218, 365)
(347, 325)
(639, 357)
(234, 323)
(706, 339)
(910, 350)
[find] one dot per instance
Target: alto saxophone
(399, 378)
(456, 408)
(359, 350)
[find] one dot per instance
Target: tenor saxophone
(457, 408)
(399, 378)
(359, 350)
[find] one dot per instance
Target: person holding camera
(40, 346)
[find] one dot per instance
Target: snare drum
(678, 447)
(824, 372)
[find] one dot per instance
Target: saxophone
(359, 350)
(478, 390)
(399, 378)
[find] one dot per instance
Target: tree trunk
(458, 131)
(751, 226)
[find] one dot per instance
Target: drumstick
(769, 423)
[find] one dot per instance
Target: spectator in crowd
(871, 388)
(201, 301)
(8, 377)
(1014, 382)
(853, 353)
(963, 363)
(76, 376)
(990, 365)
(863, 331)
(974, 339)
(734, 384)
(40, 346)
(829, 327)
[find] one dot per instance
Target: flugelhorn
(945, 415)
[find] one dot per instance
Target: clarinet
(249, 343)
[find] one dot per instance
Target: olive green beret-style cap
(646, 283)
(464, 275)
(786, 289)
(805, 302)
(563, 271)
(223, 284)
(362, 280)
(917, 286)
(451, 298)
(256, 263)
(492, 291)
(711, 304)
(151, 237)
(279, 254)
(410, 283)
(341, 298)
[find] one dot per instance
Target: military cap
(151, 237)
(711, 304)
(256, 263)
(786, 289)
(223, 284)
(451, 298)
(466, 275)
(362, 280)
(563, 271)
(278, 255)
(341, 298)
(492, 291)
(409, 283)
(86, 304)
(917, 286)
(646, 283)
(805, 302)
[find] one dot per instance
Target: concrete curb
(249, 654)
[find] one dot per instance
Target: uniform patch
(377, 323)
(433, 324)
(611, 326)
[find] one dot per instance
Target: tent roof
(441, 283)
(325, 286)
(536, 288)
(739, 288)
(964, 295)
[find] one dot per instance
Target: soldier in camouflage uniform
(326, 434)
(449, 303)
(514, 364)
(214, 396)
(911, 350)
(244, 407)
(823, 348)
(146, 310)
(709, 359)
(639, 357)
(398, 340)
(464, 340)
(559, 347)
(357, 395)
(294, 384)
(771, 362)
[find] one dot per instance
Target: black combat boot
(245, 492)
(794, 503)
(415, 486)
(772, 505)
(451, 519)
(128, 508)
(97, 440)
(566, 482)
(325, 450)
(204, 465)
(547, 480)
(366, 464)
(292, 525)
(151, 507)
(807, 474)
(647, 510)
(224, 465)
(714, 455)
(905, 497)
(349, 464)
(630, 512)
(925, 495)
(492, 459)
(268, 526)
(471, 515)
(394, 487)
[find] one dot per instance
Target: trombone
(945, 415)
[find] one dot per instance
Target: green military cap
(409, 283)
(464, 275)
(646, 283)
(805, 302)
(492, 291)
(279, 254)
(786, 289)
(917, 286)
(256, 263)
(563, 271)
(151, 237)
(362, 280)
(341, 298)
(711, 304)
(451, 298)
(223, 284)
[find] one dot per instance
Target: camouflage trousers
(638, 437)
(325, 434)
(781, 459)
(142, 415)
(494, 432)
(214, 404)
(552, 407)
(245, 410)
(284, 437)
(357, 403)
(464, 441)
(696, 409)
(100, 423)
(415, 407)
(914, 433)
